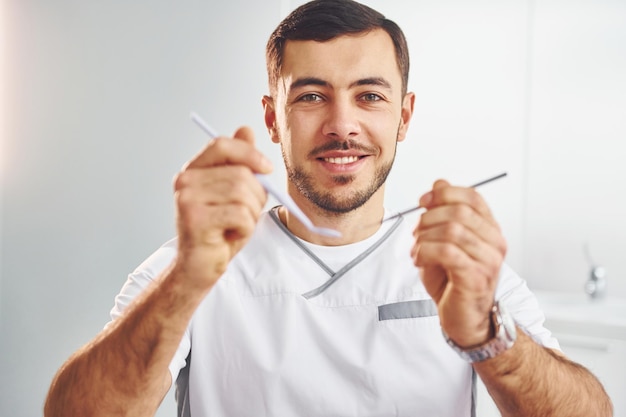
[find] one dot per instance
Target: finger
(206, 226)
(435, 281)
(456, 234)
(192, 201)
(246, 134)
(222, 182)
(462, 223)
(225, 151)
(202, 224)
(462, 273)
(221, 185)
(465, 230)
(455, 248)
(234, 220)
(443, 193)
(461, 288)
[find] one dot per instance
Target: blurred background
(94, 117)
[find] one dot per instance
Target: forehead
(343, 59)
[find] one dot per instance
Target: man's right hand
(124, 370)
(218, 202)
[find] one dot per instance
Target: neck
(354, 226)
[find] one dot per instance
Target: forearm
(124, 370)
(530, 380)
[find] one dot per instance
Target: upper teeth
(342, 160)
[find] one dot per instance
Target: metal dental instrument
(280, 196)
(412, 209)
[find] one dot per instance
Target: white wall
(97, 97)
(576, 182)
(98, 104)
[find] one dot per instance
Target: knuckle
(453, 231)
(236, 187)
(449, 253)
(183, 196)
(439, 195)
(238, 174)
(218, 145)
(236, 216)
(418, 256)
(238, 180)
(237, 212)
(456, 211)
(181, 180)
(475, 199)
(503, 246)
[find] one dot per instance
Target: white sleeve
(524, 307)
(138, 281)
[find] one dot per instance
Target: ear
(406, 113)
(270, 117)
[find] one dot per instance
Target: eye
(371, 97)
(310, 98)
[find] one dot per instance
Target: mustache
(341, 145)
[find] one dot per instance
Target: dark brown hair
(323, 20)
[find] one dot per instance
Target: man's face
(338, 114)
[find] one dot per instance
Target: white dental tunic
(295, 329)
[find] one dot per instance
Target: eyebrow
(304, 81)
(373, 81)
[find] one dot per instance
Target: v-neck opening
(334, 276)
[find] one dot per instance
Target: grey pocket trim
(407, 310)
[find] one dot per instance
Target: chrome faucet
(595, 286)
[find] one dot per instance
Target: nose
(342, 120)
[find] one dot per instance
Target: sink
(576, 311)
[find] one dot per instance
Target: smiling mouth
(343, 160)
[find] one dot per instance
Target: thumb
(440, 184)
(435, 281)
(426, 199)
(246, 134)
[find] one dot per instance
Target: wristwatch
(505, 336)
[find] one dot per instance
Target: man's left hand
(459, 249)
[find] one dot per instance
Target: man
(253, 314)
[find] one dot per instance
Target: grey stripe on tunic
(407, 310)
(334, 276)
(474, 393)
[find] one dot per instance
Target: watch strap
(503, 340)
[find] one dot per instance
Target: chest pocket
(407, 310)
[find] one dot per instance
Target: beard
(329, 202)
